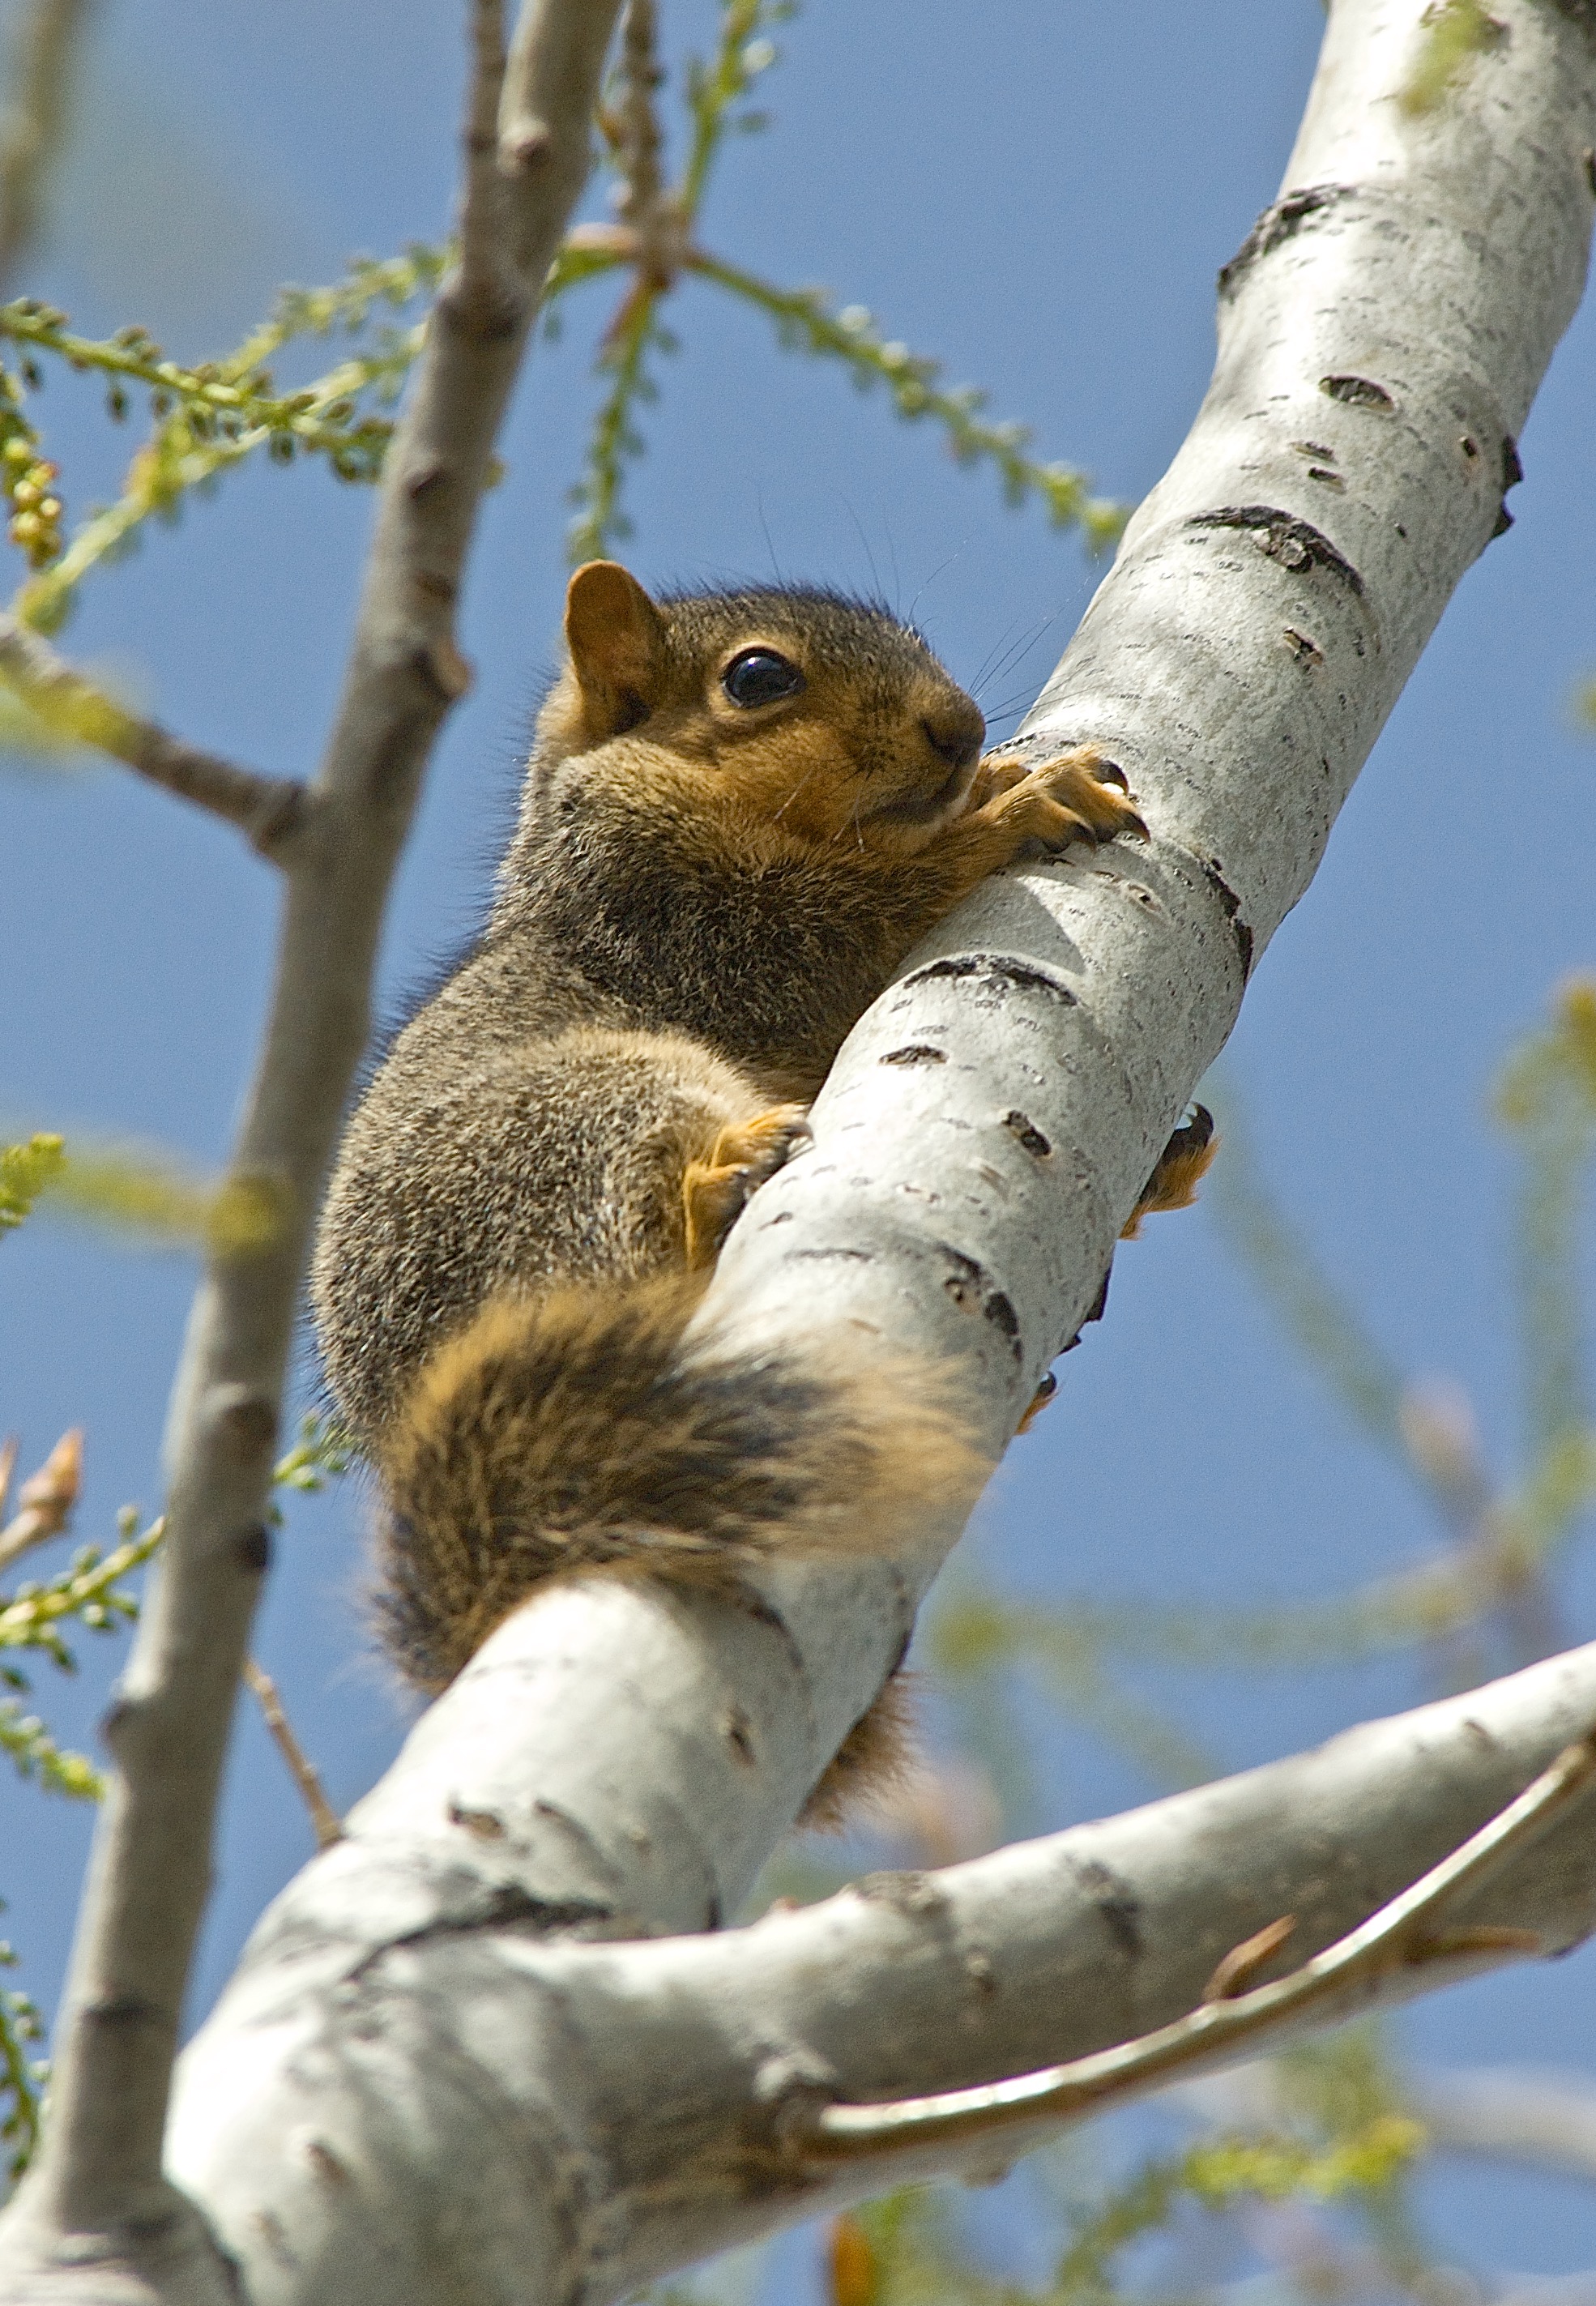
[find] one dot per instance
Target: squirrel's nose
(954, 733)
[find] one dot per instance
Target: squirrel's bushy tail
(581, 1430)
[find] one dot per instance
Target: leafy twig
(22, 2077)
(142, 1193)
(25, 1170)
(600, 523)
(805, 318)
(24, 1736)
(88, 1591)
(323, 1453)
(211, 417)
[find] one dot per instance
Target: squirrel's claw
(716, 1192)
(1079, 796)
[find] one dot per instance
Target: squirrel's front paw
(1080, 796)
(715, 1192)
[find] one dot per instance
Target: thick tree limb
(460, 2113)
(96, 2198)
(1415, 1931)
(404, 2096)
(270, 810)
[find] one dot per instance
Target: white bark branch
(461, 2112)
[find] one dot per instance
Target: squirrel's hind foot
(1181, 1166)
(716, 1192)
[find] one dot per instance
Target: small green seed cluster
(28, 482)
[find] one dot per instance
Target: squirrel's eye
(760, 676)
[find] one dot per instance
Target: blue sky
(1039, 193)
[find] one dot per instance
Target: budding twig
(328, 1826)
(46, 1500)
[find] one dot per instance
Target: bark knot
(1279, 223)
(1280, 535)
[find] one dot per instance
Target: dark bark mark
(1323, 472)
(1119, 1906)
(1359, 392)
(995, 974)
(1512, 472)
(914, 1052)
(1277, 224)
(254, 1549)
(1029, 1134)
(483, 1825)
(247, 1423)
(964, 1282)
(1295, 544)
(1305, 651)
(1213, 874)
(911, 1894)
(761, 1612)
(967, 1285)
(495, 1906)
(1099, 1306)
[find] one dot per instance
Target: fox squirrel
(741, 810)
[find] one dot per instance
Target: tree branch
(1407, 1934)
(271, 811)
(96, 2200)
(592, 2116)
(325, 1822)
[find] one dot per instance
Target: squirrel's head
(821, 712)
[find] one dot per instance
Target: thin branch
(272, 812)
(45, 1500)
(98, 2176)
(1402, 1934)
(325, 1821)
(486, 287)
(42, 55)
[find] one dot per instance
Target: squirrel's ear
(616, 636)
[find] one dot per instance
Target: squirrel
(741, 810)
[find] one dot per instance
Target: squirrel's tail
(580, 1429)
